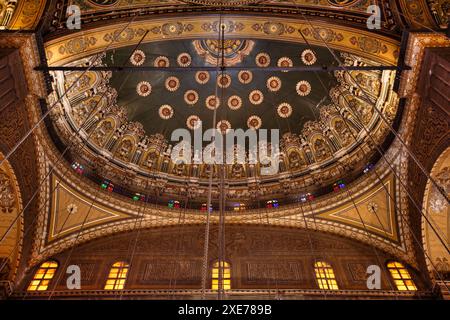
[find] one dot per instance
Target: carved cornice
(230, 294)
(72, 47)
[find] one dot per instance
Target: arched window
(401, 277)
(43, 276)
(223, 269)
(325, 276)
(117, 276)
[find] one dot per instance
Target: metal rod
(213, 69)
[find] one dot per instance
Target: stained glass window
(325, 276)
(117, 276)
(225, 272)
(401, 277)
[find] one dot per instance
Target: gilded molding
(88, 42)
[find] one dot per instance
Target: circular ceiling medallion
(193, 122)
(202, 77)
(172, 84)
(165, 112)
(254, 122)
(284, 110)
(342, 3)
(285, 62)
(212, 102)
(256, 97)
(137, 58)
(161, 62)
(184, 59)
(224, 80)
(303, 88)
(143, 88)
(308, 57)
(191, 97)
(273, 84)
(223, 126)
(245, 76)
(262, 59)
(234, 102)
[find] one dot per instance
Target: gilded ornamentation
(284, 110)
(223, 126)
(172, 29)
(234, 102)
(161, 62)
(7, 200)
(165, 112)
(172, 84)
(77, 45)
(308, 57)
(322, 150)
(143, 88)
(193, 122)
(202, 77)
(232, 53)
(254, 122)
(226, 26)
(324, 34)
(191, 97)
(273, 28)
(262, 59)
(285, 62)
(368, 44)
(72, 208)
(223, 2)
(224, 80)
(122, 36)
(137, 58)
(372, 207)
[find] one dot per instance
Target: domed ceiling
(126, 117)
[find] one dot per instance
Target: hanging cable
(31, 130)
(208, 213)
(82, 143)
(384, 157)
(378, 176)
(380, 114)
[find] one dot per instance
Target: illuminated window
(43, 276)
(401, 277)
(239, 206)
(78, 168)
(174, 204)
(225, 270)
(338, 185)
(307, 197)
(204, 206)
(138, 197)
(368, 168)
(108, 185)
(325, 276)
(117, 276)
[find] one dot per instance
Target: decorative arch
(11, 227)
(437, 210)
